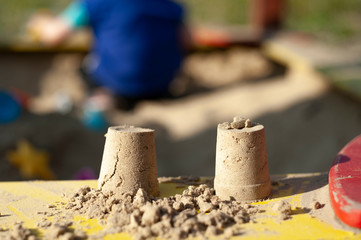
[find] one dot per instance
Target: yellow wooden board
(22, 201)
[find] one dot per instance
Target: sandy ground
(306, 121)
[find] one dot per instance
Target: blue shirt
(136, 51)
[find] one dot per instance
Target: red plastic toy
(345, 183)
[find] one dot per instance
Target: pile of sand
(196, 212)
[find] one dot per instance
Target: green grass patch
(330, 20)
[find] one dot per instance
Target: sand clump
(197, 212)
(21, 232)
(283, 209)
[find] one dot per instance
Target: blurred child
(136, 51)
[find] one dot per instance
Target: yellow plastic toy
(32, 163)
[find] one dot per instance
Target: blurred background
(293, 66)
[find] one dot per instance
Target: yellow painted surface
(23, 200)
(301, 226)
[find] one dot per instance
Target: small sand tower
(129, 161)
(241, 161)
